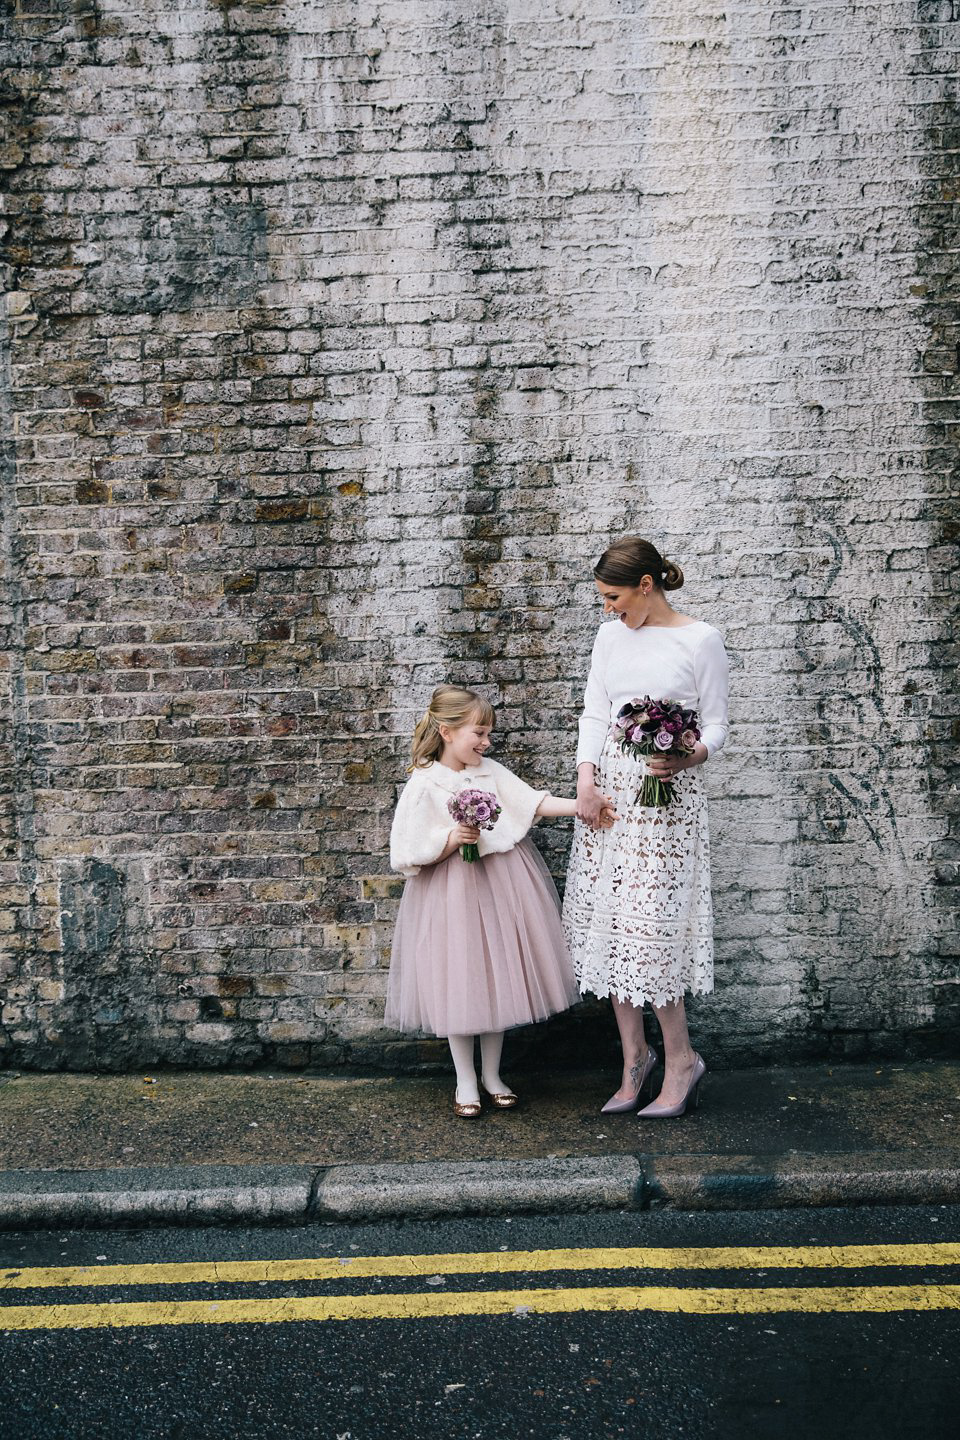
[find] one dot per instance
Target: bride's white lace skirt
(637, 911)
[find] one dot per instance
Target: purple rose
(475, 807)
(663, 740)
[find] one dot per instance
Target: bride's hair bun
(672, 576)
(628, 559)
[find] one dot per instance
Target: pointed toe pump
(623, 1107)
(656, 1111)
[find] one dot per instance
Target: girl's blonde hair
(449, 705)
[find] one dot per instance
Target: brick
(302, 430)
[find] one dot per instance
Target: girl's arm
(421, 832)
(551, 807)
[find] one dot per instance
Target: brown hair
(627, 560)
(449, 705)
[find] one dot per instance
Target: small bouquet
(474, 807)
(655, 727)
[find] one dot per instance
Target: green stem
(655, 793)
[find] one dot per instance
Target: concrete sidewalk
(177, 1147)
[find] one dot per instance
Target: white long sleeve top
(422, 822)
(686, 663)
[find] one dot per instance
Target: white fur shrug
(422, 823)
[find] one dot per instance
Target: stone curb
(297, 1194)
(168, 1195)
(778, 1182)
(483, 1187)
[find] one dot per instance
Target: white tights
(461, 1048)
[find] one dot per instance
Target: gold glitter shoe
(503, 1100)
(466, 1111)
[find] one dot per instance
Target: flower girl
(478, 946)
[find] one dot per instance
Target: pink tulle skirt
(479, 947)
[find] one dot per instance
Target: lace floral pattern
(637, 913)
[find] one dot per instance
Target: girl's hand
(607, 815)
(464, 835)
(664, 767)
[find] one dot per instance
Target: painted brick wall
(340, 339)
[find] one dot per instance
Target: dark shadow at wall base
(582, 1038)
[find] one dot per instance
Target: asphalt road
(456, 1329)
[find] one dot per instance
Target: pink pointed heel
(692, 1097)
(623, 1107)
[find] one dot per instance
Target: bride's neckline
(652, 626)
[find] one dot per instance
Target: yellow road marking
(496, 1262)
(672, 1299)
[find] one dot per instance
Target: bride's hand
(664, 767)
(590, 805)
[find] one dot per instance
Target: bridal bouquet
(474, 807)
(655, 727)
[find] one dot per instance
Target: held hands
(595, 809)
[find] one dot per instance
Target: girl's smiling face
(630, 603)
(466, 745)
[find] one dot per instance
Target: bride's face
(630, 603)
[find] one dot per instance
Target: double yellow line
(440, 1303)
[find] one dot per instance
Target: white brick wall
(342, 339)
